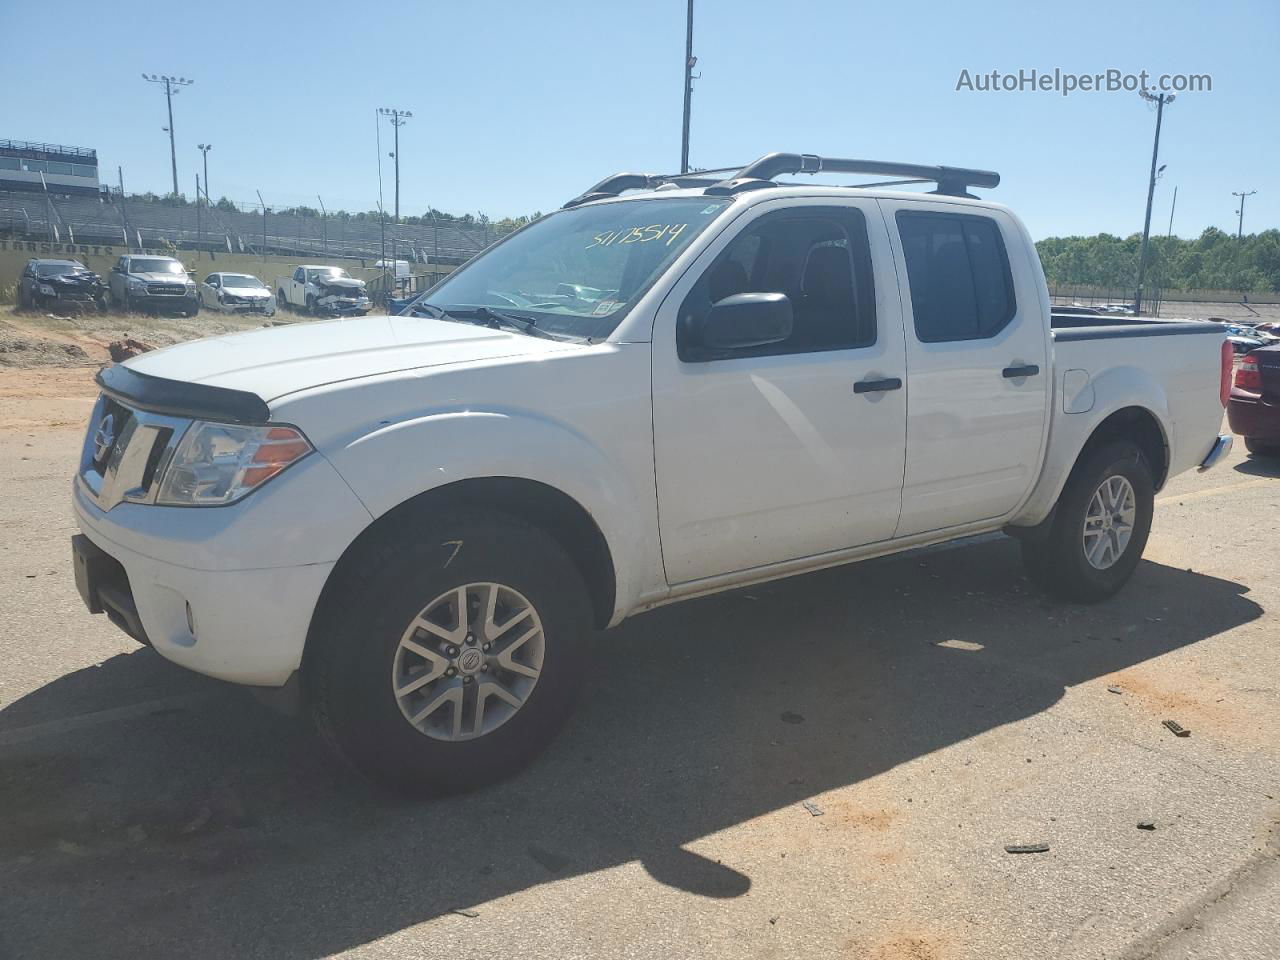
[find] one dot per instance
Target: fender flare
(510, 444)
(1116, 389)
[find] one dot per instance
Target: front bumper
(266, 308)
(164, 301)
(225, 591)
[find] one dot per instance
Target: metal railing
(33, 147)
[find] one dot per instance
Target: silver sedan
(237, 293)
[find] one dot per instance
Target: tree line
(1215, 260)
(432, 215)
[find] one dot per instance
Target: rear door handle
(1027, 370)
(877, 386)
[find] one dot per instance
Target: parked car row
(153, 283)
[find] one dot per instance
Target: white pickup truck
(322, 290)
(673, 386)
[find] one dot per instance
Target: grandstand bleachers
(91, 220)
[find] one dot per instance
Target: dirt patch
(864, 818)
(19, 349)
(45, 397)
(909, 947)
(1198, 702)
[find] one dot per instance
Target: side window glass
(958, 273)
(820, 258)
(299, 275)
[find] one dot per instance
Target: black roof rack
(612, 186)
(951, 181)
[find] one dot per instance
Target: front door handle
(877, 386)
(1026, 370)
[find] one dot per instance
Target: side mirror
(743, 320)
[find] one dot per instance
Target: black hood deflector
(178, 398)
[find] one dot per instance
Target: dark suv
(46, 283)
(153, 283)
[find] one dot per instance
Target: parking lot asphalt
(830, 766)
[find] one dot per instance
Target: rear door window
(958, 272)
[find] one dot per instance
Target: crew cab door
(788, 450)
(977, 362)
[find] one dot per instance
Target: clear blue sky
(519, 106)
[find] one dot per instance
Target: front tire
(1100, 526)
(426, 697)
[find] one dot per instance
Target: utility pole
(689, 61)
(398, 119)
(124, 213)
(1240, 226)
(324, 226)
(204, 148)
(1172, 207)
(264, 224)
(1160, 100)
(199, 223)
(172, 87)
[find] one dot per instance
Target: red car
(1253, 409)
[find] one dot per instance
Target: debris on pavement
(789, 717)
(1177, 729)
(464, 912)
(813, 808)
(953, 644)
(1114, 689)
(1146, 824)
(1027, 848)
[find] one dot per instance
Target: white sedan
(237, 293)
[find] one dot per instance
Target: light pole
(398, 119)
(172, 87)
(689, 61)
(1160, 100)
(204, 148)
(1240, 226)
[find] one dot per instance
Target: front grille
(166, 289)
(125, 452)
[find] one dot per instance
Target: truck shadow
(214, 828)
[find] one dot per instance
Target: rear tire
(282, 302)
(1100, 526)
(1260, 449)
(380, 641)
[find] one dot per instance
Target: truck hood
(276, 361)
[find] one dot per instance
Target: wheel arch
(536, 503)
(1135, 421)
(1144, 428)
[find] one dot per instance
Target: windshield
(327, 273)
(57, 269)
(141, 265)
(241, 280)
(578, 271)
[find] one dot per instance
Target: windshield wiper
(488, 317)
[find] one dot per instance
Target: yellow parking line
(1214, 491)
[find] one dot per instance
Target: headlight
(218, 463)
(47, 290)
(137, 285)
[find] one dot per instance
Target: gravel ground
(829, 766)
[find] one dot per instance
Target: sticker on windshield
(654, 231)
(605, 306)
